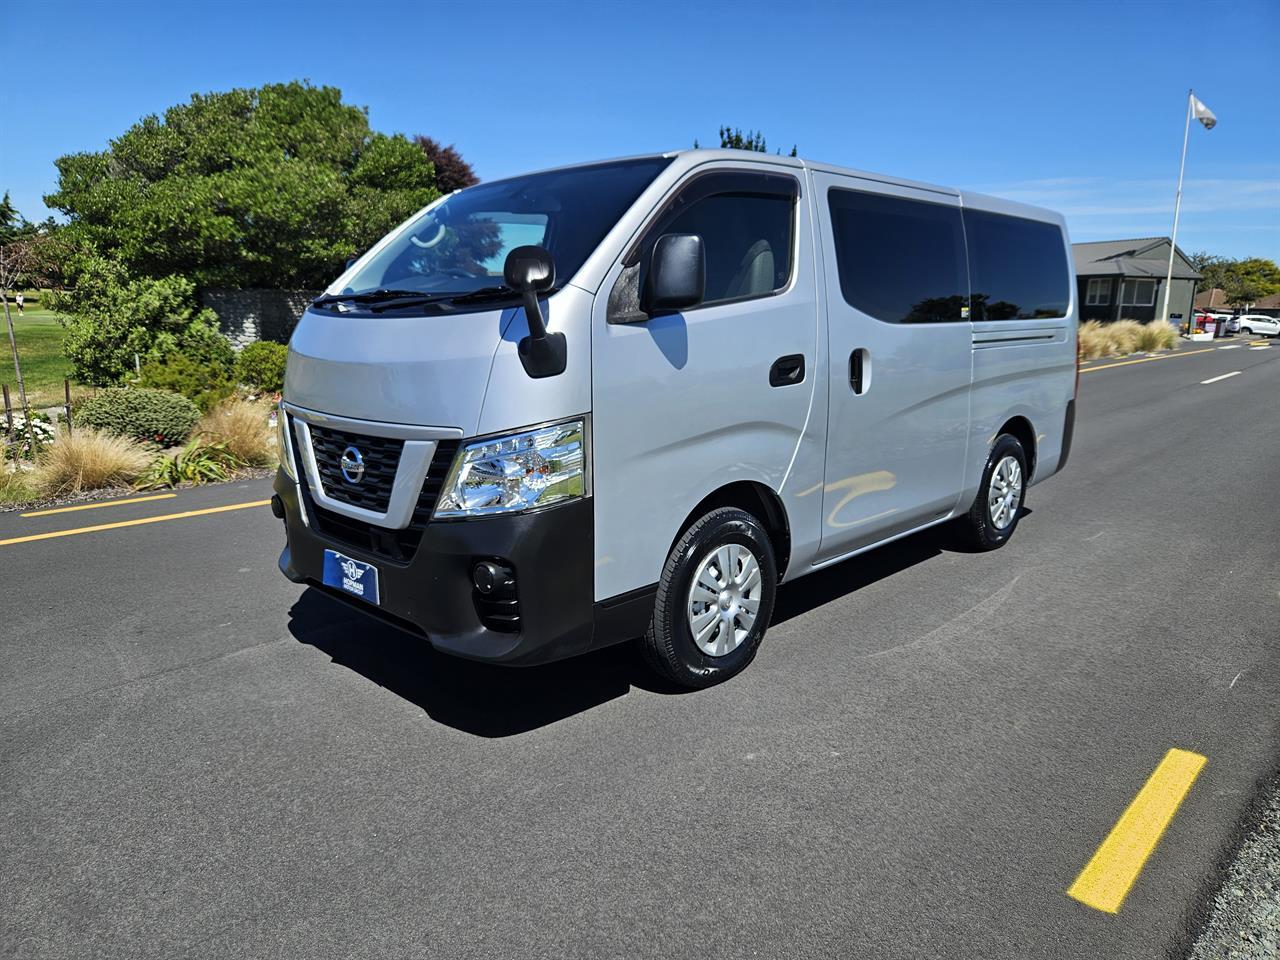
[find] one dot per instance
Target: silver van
(628, 399)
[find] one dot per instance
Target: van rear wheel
(994, 515)
(715, 598)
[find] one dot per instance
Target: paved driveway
(200, 759)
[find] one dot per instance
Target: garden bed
(120, 492)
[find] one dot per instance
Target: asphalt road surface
(200, 759)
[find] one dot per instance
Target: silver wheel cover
(724, 599)
(1004, 493)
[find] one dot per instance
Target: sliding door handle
(858, 378)
(787, 370)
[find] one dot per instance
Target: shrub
(89, 460)
(197, 462)
(156, 416)
(261, 366)
(243, 428)
(112, 317)
(1157, 336)
(1108, 339)
(202, 343)
(205, 383)
(1124, 336)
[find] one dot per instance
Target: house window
(1138, 293)
(1099, 292)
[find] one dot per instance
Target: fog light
(277, 506)
(490, 577)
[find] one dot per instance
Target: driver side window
(748, 237)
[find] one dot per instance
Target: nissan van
(626, 400)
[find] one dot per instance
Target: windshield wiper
(390, 299)
(371, 296)
(482, 295)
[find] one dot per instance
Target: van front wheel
(996, 510)
(714, 600)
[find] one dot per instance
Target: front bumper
(431, 594)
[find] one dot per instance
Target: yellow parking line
(132, 523)
(1106, 879)
(94, 506)
(1125, 363)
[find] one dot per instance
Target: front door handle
(787, 370)
(857, 370)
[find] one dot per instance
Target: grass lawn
(40, 350)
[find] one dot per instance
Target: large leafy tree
(271, 187)
(1244, 281)
(452, 172)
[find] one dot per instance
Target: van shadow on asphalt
(493, 701)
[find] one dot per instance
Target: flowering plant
(18, 441)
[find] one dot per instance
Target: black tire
(977, 527)
(669, 646)
(1247, 331)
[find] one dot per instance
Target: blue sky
(1076, 106)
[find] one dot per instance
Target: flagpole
(1173, 241)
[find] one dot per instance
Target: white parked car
(1256, 323)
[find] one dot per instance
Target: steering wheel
(428, 244)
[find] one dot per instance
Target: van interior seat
(754, 275)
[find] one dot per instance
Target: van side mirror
(529, 271)
(677, 275)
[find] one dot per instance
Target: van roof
(694, 156)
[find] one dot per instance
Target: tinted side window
(901, 261)
(1018, 267)
(747, 238)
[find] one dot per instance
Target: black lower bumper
(432, 594)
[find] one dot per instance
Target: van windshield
(459, 246)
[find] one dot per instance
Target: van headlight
(536, 468)
(284, 449)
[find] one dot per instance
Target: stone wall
(248, 315)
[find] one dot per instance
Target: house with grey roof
(1124, 280)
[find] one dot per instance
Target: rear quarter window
(1017, 267)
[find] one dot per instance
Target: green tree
(11, 222)
(114, 320)
(732, 138)
(272, 187)
(1243, 281)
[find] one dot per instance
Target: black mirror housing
(529, 271)
(677, 277)
(529, 268)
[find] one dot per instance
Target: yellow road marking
(1106, 879)
(1125, 363)
(132, 523)
(94, 506)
